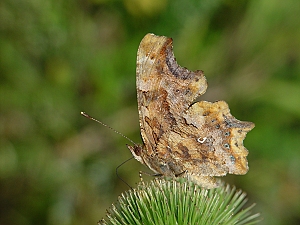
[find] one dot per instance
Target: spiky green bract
(173, 202)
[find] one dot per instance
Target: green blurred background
(58, 58)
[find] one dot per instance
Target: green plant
(173, 202)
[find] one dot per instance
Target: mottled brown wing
(148, 83)
(164, 89)
(216, 140)
(201, 139)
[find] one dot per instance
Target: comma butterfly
(195, 140)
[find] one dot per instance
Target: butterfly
(181, 137)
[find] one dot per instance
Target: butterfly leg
(180, 174)
(148, 174)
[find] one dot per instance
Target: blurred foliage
(58, 58)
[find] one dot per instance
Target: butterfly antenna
(91, 118)
(117, 172)
(117, 169)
